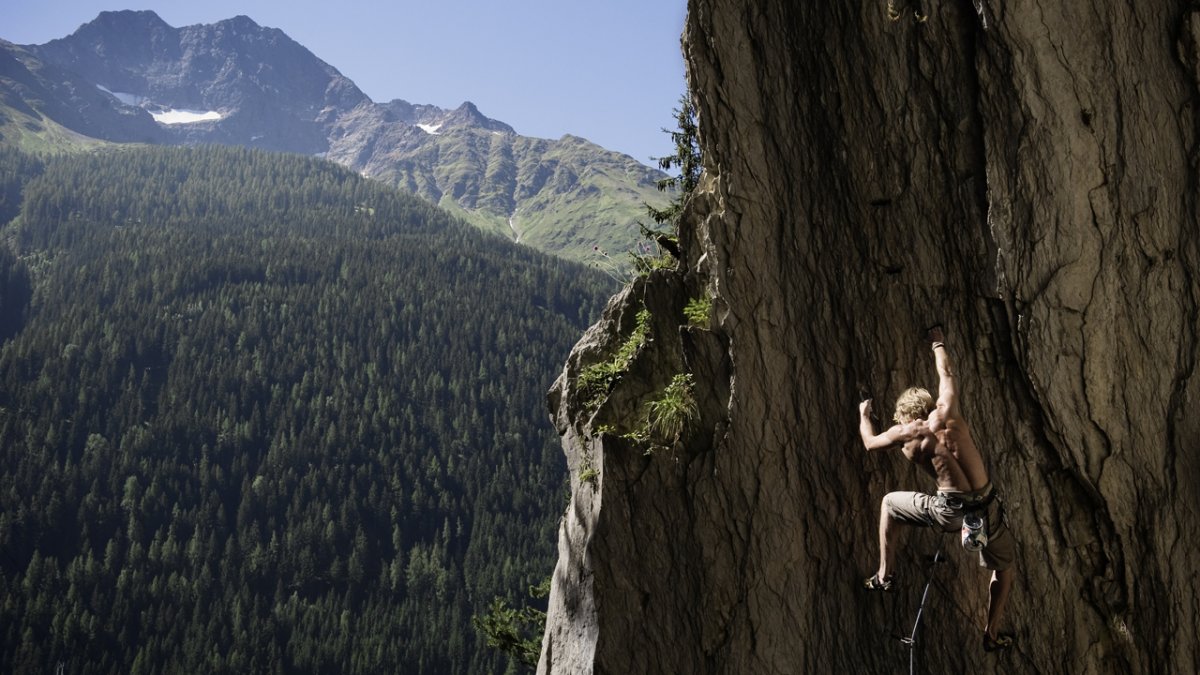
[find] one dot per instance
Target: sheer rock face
(1032, 186)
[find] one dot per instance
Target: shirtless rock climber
(936, 438)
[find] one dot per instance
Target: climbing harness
(911, 640)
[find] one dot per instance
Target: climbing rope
(911, 640)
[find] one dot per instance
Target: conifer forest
(261, 415)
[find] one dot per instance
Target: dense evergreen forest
(258, 414)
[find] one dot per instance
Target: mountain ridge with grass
(128, 76)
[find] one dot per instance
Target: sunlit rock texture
(1025, 174)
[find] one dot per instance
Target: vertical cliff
(1030, 185)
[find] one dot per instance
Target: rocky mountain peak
(467, 115)
(255, 85)
(128, 22)
(120, 37)
(240, 22)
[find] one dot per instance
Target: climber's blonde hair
(914, 404)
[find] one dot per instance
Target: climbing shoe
(998, 643)
(874, 583)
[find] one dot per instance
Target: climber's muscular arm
(947, 402)
(893, 437)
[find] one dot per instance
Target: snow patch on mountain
(431, 129)
(163, 114)
(184, 116)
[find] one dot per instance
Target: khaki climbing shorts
(918, 508)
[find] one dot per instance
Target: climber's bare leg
(998, 591)
(887, 542)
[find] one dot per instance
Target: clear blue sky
(610, 71)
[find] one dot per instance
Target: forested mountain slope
(260, 414)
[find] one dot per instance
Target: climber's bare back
(942, 446)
